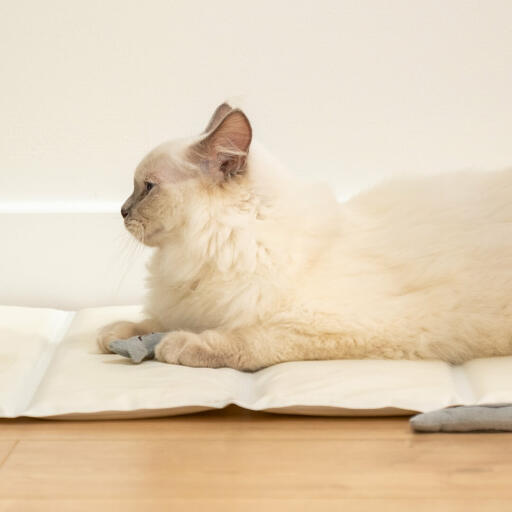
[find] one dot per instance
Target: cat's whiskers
(131, 250)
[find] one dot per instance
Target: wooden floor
(238, 460)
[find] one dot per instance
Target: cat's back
(431, 236)
(458, 196)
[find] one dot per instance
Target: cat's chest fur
(208, 299)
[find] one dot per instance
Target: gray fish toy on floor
(468, 418)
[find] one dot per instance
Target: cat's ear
(223, 151)
(220, 113)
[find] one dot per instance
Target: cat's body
(258, 269)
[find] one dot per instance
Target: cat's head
(180, 174)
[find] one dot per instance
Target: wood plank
(230, 423)
(197, 505)
(450, 467)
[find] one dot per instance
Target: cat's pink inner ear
(220, 113)
(226, 147)
(233, 135)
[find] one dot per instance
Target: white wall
(344, 91)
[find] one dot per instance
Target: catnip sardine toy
(138, 348)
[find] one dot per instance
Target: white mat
(49, 366)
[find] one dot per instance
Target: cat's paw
(189, 349)
(115, 331)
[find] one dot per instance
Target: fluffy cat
(252, 268)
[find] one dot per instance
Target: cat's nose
(124, 212)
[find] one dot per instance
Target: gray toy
(466, 418)
(138, 348)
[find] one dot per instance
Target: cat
(252, 268)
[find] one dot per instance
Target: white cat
(252, 269)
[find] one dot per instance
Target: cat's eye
(148, 185)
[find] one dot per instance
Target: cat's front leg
(123, 330)
(254, 347)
